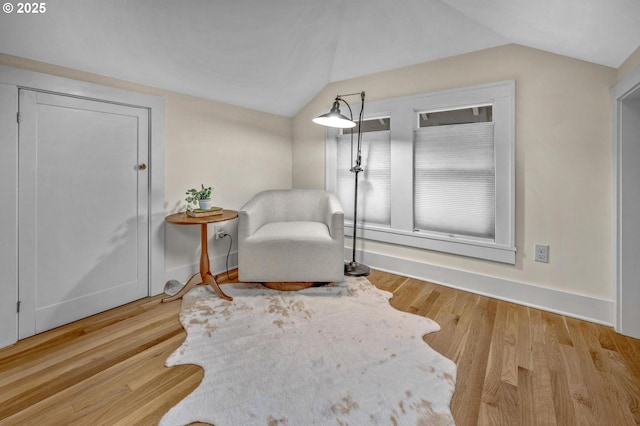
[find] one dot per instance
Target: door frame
(23, 79)
(625, 87)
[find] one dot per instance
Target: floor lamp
(335, 119)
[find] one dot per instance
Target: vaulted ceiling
(276, 55)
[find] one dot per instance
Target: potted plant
(199, 198)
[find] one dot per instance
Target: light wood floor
(516, 365)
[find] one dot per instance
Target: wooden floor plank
(526, 398)
(491, 391)
(472, 365)
(516, 365)
(544, 408)
(510, 347)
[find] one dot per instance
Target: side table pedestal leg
(193, 281)
(211, 280)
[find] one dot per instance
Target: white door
(83, 208)
(8, 214)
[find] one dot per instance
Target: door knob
(142, 166)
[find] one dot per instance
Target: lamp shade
(334, 119)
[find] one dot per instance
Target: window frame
(403, 112)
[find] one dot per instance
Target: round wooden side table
(204, 276)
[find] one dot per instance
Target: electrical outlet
(220, 235)
(542, 253)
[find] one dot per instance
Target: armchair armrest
(251, 217)
(334, 217)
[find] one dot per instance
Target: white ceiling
(276, 55)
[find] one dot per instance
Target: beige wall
(563, 156)
(563, 160)
(238, 151)
(631, 63)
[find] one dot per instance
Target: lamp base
(355, 269)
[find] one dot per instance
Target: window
(440, 178)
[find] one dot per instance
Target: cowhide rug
(332, 355)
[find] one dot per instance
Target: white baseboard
(216, 264)
(570, 304)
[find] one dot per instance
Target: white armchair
(291, 236)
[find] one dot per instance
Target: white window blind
(374, 184)
(454, 179)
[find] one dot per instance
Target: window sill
(452, 245)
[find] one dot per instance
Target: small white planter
(205, 204)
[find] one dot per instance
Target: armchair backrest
(290, 205)
(296, 205)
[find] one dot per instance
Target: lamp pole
(353, 268)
